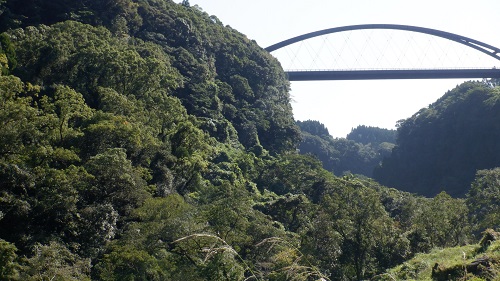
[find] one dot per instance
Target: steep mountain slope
(441, 147)
(225, 77)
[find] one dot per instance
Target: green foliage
(86, 57)
(441, 222)
(8, 60)
(106, 131)
(457, 263)
(364, 231)
(70, 108)
(71, 53)
(144, 140)
(483, 199)
(24, 128)
(313, 127)
(372, 135)
(441, 147)
(115, 181)
(127, 263)
(9, 266)
(144, 244)
(359, 153)
(281, 176)
(54, 261)
(293, 211)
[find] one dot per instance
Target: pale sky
(342, 105)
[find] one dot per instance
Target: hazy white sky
(342, 105)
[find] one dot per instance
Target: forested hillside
(359, 153)
(372, 135)
(441, 147)
(145, 140)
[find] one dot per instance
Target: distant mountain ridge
(359, 153)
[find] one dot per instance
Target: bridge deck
(392, 74)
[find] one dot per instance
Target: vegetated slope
(473, 262)
(143, 140)
(372, 135)
(224, 76)
(359, 153)
(441, 147)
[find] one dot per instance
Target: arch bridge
(365, 74)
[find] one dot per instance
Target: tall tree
(483, 199)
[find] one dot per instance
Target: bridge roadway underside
(392, 74)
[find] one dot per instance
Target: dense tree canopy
(371, 135)
(145, 140)
(441, 147)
